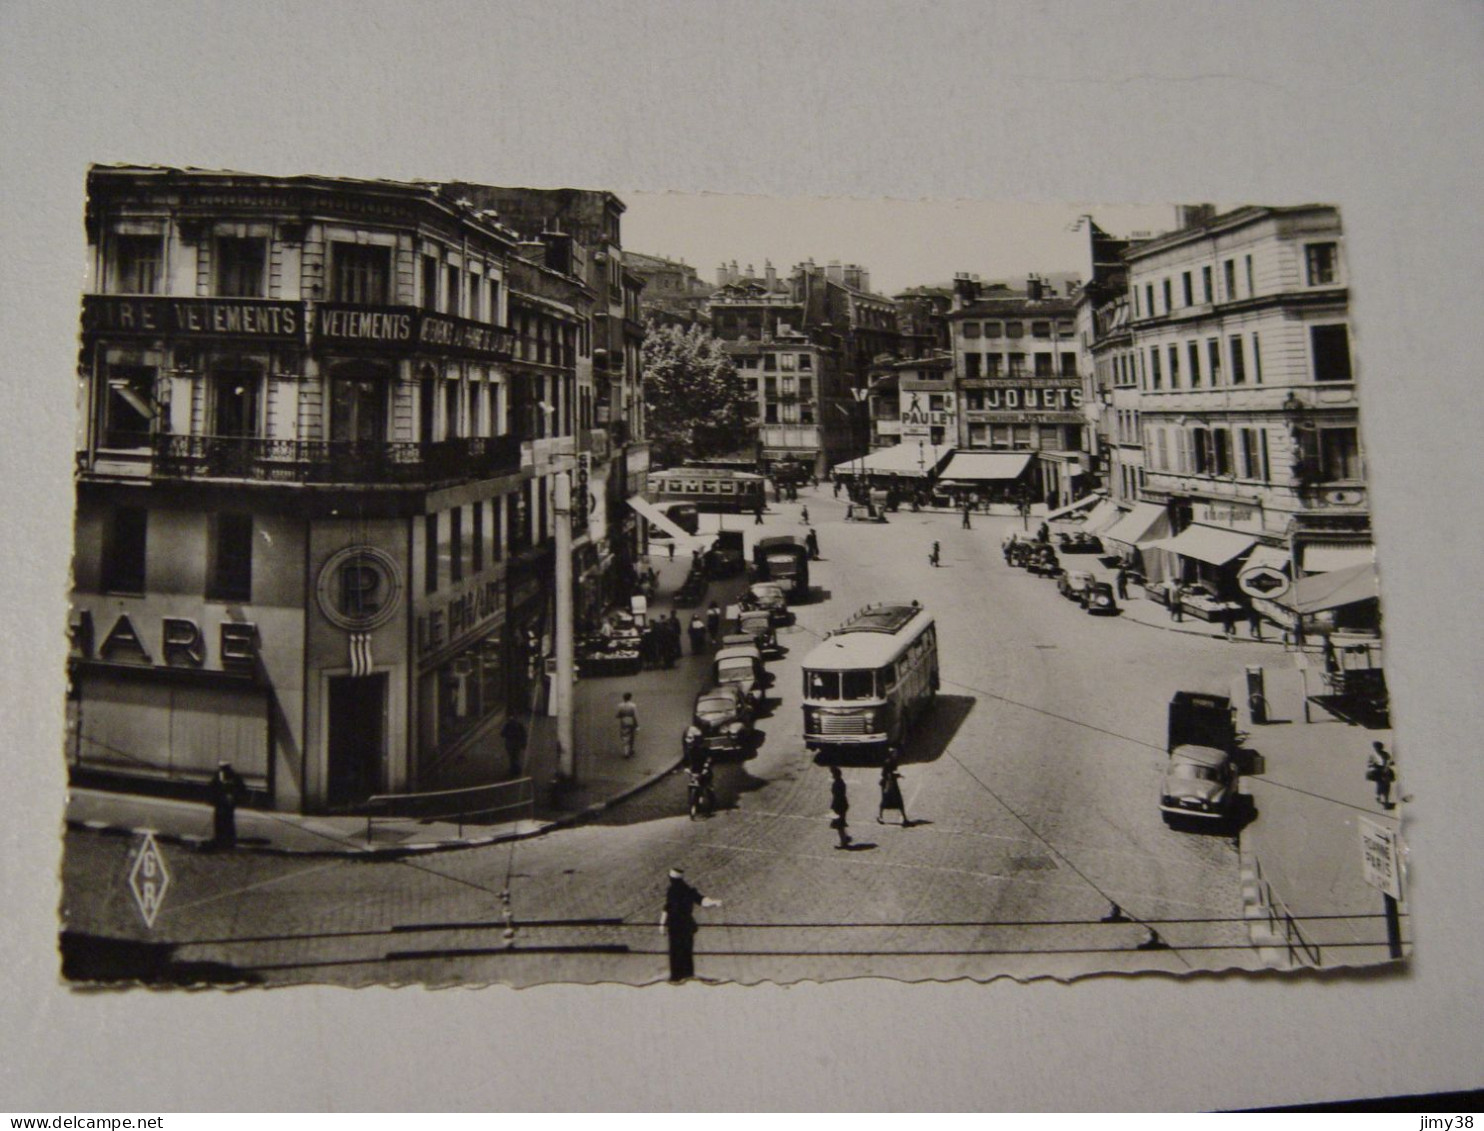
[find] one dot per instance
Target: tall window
(360, 273)
(1169, 305)
(1149, 300)
(1187, 289)
(454, 297)
(1256, 360)
(992, 363)
(1043, 365)
(1221, 451)
(476, 293)
(241, 267)
(430, 282)
(237, 393)
(1320, 260)
(456, 544)
(1206, 283)
(229, 576)
(124, 542)
(138, 265)
(1174, 367)
(1069, 365)
(1229, 271)
(1193, 352)
(1239, 360)
(1339, 455)
(1213, 360)
(971, 365)
(1251, 287)
(1331, 349)
(358, 403)
(128, 408)
(1016, 362)
(1156, 379)
(430, 552)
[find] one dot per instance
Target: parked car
(1043, 562)
(1200, 781)
(1099, 600)
(742, 666)
(1079, 542)
(724, 717)
(766, 595)
(757, 626)
(1074, 583)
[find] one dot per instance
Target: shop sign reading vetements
(405, 327)
(151, 316)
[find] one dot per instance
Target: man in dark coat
(697, 634)
(839, 806)
(891, 789)
(713, 622)
(1254, 623)
(227, 790)
(1177, 602)
(678, 922)
(1121, 581)
(811, 540)
(514, 734)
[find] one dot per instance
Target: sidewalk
(604, 777)
(1300, 853)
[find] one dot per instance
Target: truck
(783, 560)
(1200, 780)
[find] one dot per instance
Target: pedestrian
(837, 488)
(1043, 533)
(891, 789)
(849, 512)
(1254, 623)
(713, 622)
(675, 633)
(804, 514)
(1177, 603)
(1331, 659)
(678, 923)
(692, 746)
(1229, 620)
(757, 515)
(514, 734)
(648, 652)
(935, 555)
(839, 806)
(227, 790)
(1380, 771)
(697, 634)
(628, 723)
(967, 525)
(1121, 582)
(811, 540)
(671, 549)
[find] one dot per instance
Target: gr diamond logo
(149, 879)
(1263, 581)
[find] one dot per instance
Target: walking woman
(839, 806)
(891, 789)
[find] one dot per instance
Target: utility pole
(562, 685)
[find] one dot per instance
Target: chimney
(1193, 215)
(1033, 288)
(865, 279)
(834, 272)
(770, 274)
(965, 290)
(751, 274)
(721, 276)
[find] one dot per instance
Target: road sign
(149, 879)
(1262, 581)
(1379, 860)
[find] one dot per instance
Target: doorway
(357, 738)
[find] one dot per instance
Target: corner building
(1247, 396)
(313, 534)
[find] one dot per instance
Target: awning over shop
(899, 459)
(1323, 558)
(1080, 505)
(1332, 590)
(1210, 544)
(986, 467)
(1145, 523)
(659, 518)
(1274, 557)
(1103, 517)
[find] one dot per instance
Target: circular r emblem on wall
(359, 588)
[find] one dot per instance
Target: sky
(902, 243)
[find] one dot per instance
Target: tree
(696, 405)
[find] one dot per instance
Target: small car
(757, 626)
(1200, 783)
(1043, 562)
(1079, 542)
(724, 718)
(765, 595)
(1074, 583)
(742, 666)
(1098, 599)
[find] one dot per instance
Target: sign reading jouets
(1060, 398)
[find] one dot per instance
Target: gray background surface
(1372, 106)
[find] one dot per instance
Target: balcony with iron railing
(317, 462)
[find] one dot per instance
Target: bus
(867, 683)
(711, 490)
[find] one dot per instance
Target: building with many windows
(1015, 363)
(313, 532)
(1247, 394)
